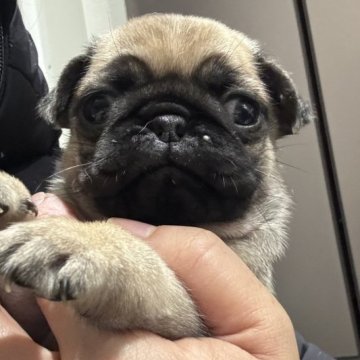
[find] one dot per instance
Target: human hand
(246, 321)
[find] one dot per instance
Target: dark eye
(95, 109)
(244, 111)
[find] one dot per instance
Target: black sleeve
(25, 139)
(309, 351)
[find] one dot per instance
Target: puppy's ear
(291, 111)
(54, 107)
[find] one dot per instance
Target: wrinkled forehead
(177, 44)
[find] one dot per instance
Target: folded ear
(54, 107)
(291, 111)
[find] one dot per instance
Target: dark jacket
(27, 144)
(310, 351)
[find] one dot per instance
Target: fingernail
(135, 227)
(43, 301)
(38, 198)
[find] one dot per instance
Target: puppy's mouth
(167, 194)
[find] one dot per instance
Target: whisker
(59, 172)
(88, 176)
(112, 33)
(145, 126)
(266, 174)
(292, 166)
(235, 186)
(70, 168)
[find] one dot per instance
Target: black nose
(168, 128)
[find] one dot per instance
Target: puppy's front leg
(112, 278)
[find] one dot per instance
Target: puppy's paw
(15, 203)
(113, 279)
(29, 257)
(3, 209)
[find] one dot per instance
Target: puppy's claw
(3, 209)
(65, 291)
(7, 286)
(30, 207)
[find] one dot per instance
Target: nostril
(180, 129)
(168, 128)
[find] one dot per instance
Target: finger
(236, 306)
(16, 344)
(68, 330)
(51, 205)
(76, 338)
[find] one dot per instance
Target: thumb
(67, 327)
(77, 339)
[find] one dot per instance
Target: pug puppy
(173, 120)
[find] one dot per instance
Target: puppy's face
(173, 120)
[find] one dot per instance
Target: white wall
(61, 28)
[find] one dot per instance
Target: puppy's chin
(170, 195)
